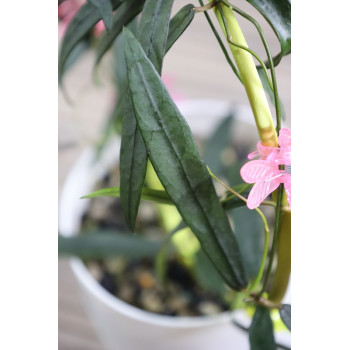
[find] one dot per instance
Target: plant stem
(204, 7)
(281, 276)
(269, 57)
(229, 61)
(244, 48)
(250, 79)
(275, 234)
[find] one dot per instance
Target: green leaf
(106, 11)
(207, 275)
(152, 34)
(133, 164)
(277, 14)
(285, 313)
(76, 53)
(146, 194)
(178, 24)
(103, 244)
(114, 122)
(79, 27)
(153, 30)
(176, 160)
(216, 144)
(250, 233)
(261, 330)
(126, 12)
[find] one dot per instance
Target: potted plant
(154, 131)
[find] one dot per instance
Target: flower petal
(258, 171)
(260, 191)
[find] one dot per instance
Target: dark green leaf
(103, 244)
(113, 125)
(133, 164)
(153, 30)
(114, 122)
(285, 313)
(76, 53)
(267, 88)
(147, 194)
(277, 14)
(152, 34)
(106, 11)
(216, 144)
(261, 330)
(126, 12)
(176, 160)
(118, 58)
(207, 275)
(250, 233)
(178, 24)
(79, 27)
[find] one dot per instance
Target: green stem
(265, 253)
(221, 44)
(278, 212)
(244, 47)
(251, 80)
(281, 274)
(269, 57)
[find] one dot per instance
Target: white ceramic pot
(119, 325)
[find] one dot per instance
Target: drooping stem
(282, 273)
(229, 61)
(275, 235)
(269, 57)
(245, 48)
(250, 78)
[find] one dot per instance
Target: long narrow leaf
(79, 27)
(104, 244)
(150, 194)
(106, 11)
(250, 233)
(152, 34)
(277, 14)
(179, 23)
(126, 12)
(133, 164)
(216, 144)
(176, 160)
(177, 26)
(261, 330)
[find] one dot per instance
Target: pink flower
(66, 12)
(266, 172)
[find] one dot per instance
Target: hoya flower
(265, 172)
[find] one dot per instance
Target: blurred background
(195, 67)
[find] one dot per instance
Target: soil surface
(134, 280)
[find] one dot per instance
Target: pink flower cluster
(265, 172)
